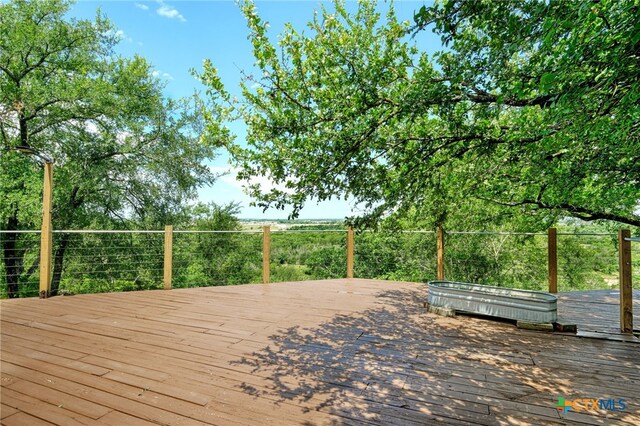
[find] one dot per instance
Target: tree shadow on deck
(394, 363)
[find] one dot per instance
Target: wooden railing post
(440, 253)
(552, 250)
(266, 254)
(168, 256)
(350, 252)
(46, 232)
(626, 295)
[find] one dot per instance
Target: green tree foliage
(304, 253)
(211, 248)
(561, 80)
(393, 255)
(224, 258)
(532, 105)
(103, 262)
(121, 149)
(202, 255)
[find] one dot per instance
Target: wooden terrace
(319, 352)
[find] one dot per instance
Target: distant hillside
(298, 224)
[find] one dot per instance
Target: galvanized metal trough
(514, 304)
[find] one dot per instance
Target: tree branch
(40, 107)
(9, 73)
(482, 97)
(575, 211)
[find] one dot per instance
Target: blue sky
(176, 36)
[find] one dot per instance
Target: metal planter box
(520, 305)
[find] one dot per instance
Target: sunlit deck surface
(318, 352)
(597, 313)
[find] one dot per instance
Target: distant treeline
(134, 261)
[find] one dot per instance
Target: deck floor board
(335, 352)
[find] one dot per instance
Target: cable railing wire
(113, 259)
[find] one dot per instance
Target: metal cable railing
(205, 258)
(91, 262)
(19, 262)
(403, 256)
(305, 254)
(516, 260)
(87, 261)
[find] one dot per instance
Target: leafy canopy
(121, 150)
(119, 146)
(532, 105)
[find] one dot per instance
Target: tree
(572, 69)
(121, 149)
(533, 105)
(101, 262)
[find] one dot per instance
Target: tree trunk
(58, 260)
(58, 263)
(12, 256)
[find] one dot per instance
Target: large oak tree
(121, 149)
(531, 105)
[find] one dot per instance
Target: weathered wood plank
(35, 407)
(6, 411)
(23, 419)
(324, 352)
(60, 399)
(626, 292)
(116, 418)
(552, 255)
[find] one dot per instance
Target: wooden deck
(597, 313)
(325, 352)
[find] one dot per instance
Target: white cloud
(169, 12)
(162, 74)
(142, 6)
(119, 35)
(230, 177)
(228, 189)
(122, 36)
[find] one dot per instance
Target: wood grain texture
(626, 292)
(552, 263)
(440, 253)
(266, 254)
(168, 257)
(350, 252)
(337, 352)
(46, 235)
